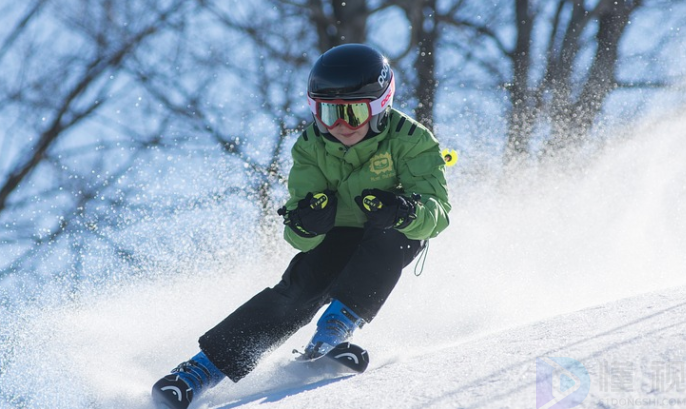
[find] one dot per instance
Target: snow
(643, 336)
(582, 267)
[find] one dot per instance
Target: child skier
(367, 189)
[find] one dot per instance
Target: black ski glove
(386, 210)
(315, 214)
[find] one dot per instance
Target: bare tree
(569, 104)
(269, 61)
(424, 36)
(56, 83)
(556, 72)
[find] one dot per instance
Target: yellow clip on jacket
(404, 159)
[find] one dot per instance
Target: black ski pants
(359, 267)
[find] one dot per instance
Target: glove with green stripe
(315, 214)
(386, 210)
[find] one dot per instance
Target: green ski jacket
(404, 159)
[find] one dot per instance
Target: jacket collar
(357, 154)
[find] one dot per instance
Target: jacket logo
(381, 163)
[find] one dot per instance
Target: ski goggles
(352, 113)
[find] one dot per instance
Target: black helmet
(353, 72)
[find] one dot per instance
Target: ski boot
(186, 382)
(335, 327)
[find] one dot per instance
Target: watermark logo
(561, 383)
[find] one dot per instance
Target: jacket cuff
(303, 244)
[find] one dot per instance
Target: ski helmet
(351, 72)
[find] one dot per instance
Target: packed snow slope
(585, 265)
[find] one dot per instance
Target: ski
(344, 358)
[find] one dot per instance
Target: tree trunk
(424, 33)
(523, 110)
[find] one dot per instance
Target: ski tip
(350, 356)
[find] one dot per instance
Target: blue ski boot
(186, 382)
(334, 327)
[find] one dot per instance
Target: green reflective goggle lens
(354, 115)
